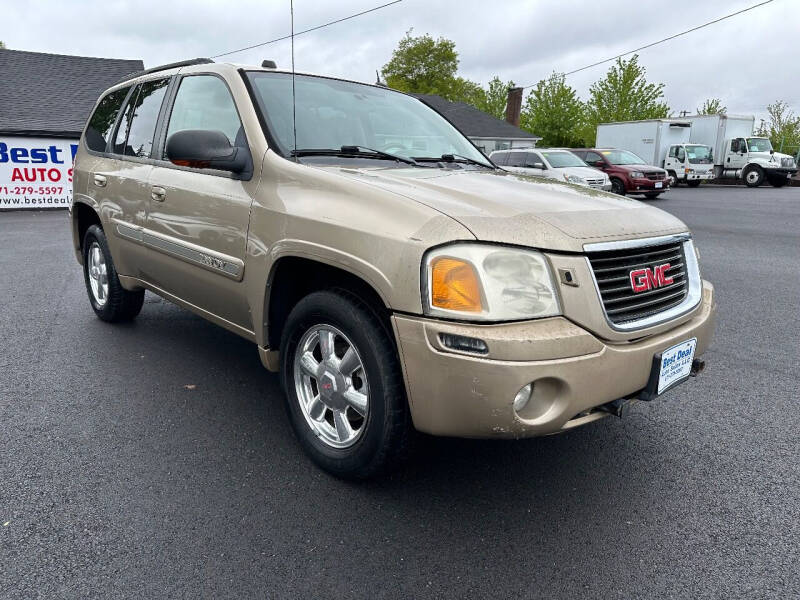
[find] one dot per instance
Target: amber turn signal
(455, 285)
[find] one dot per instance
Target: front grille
(655, 176)
(612, 271)
(595, 182)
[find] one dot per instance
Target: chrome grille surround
(667, 308)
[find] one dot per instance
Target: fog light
(522, 397)
(463, 343)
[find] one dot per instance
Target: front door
(197, 220)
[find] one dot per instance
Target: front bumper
(704, 176)
(780, 171)
(647, 185)
(456, 394)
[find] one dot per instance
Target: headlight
(488, 283)
(637, 175)
(574, 179)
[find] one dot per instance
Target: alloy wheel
(98, 274)
(331, 386)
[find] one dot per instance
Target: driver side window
(532, 159)
(594, 159)
(204, 102)
(681, 155)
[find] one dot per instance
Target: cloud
(748, 61)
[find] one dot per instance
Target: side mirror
(538, 165)
(205, 149)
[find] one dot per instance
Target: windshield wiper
(356, 151)
(456, 158)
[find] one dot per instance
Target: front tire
(778, 181)
(673, 179)
(345, 396)
(110, 301)
(617, 186)
(753, 176)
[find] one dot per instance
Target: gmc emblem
(648, 279)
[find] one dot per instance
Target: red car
(629, 173)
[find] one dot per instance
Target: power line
(286, 37)
(666, 39)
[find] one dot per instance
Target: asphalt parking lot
(154, 459)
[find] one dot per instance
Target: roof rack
(174, 65)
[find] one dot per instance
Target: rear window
(516, 159)
(137, 130)
(102, 120)
(499, 158)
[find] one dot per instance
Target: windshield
(622, 157)
(758, 145)
(699, 155)
(558, 160)
(332, 114)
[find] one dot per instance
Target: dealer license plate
(676, 364)
(659, 185)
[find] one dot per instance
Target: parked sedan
(553, 163)
(629, 173)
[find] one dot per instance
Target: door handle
(100, 180)
(158, 193)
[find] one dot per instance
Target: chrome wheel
(331, 386)
(752, 176)
(98, 274)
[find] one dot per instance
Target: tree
(624, 95)
(553, 111)
(783, 129)
(712, 106)
(495, 98)
(2, 45)
(423, 65)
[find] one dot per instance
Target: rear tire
(693, 183)
(110, 301)
(351, 421)
(617, 186)
(753, 176)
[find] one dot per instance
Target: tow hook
(697, 367)
(618, 408)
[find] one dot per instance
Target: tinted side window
(102, 120)
(500, 158)
(140, 119)
(204, 102)
(594, 158)
(516, 159)
(672, 151)
(533, 158)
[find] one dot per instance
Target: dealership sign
(36, 172)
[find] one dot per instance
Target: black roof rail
(175, 65)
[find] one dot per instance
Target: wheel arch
(294, 276)
(84, 215)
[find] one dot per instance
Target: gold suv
(394, 275)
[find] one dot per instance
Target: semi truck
(664, 143)
(738, 153)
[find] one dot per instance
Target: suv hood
(515, 209)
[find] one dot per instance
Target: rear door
(121, 179)
(196, 229)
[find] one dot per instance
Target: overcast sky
(748, 61)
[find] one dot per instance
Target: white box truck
(662, 143)
(738, 154)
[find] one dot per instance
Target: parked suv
(393, 275)
(552, 163)
(629, 173)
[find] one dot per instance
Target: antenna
(294, 100)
